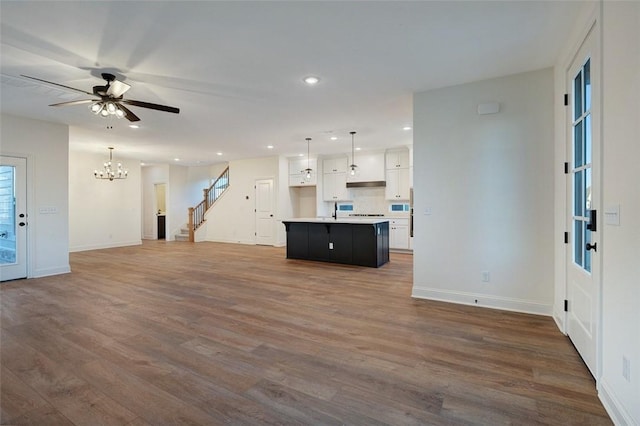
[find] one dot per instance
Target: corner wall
(483, 194)
(621, 244)
(46, 147)
(150, 176)
(102, 213)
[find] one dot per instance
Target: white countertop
(347, 220)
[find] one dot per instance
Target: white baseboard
(224, 240)
(615, 409)
(47, 272)
(104, 246)
(483, 300)
(559, 318)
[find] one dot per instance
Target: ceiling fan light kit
(111, 99)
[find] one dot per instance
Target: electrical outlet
(485, 276)
(626, 368)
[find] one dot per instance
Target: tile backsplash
(369, 200)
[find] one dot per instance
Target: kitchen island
(363, 242)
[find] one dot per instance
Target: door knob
(21, 215)
(22, 224)
(593, 246)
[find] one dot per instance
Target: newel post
(206, 198)
(191, 233)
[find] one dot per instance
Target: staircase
(196, 214)
(183, 235)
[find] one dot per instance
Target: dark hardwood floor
(178, 333)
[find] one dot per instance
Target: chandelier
(106, 108)
(109, 171)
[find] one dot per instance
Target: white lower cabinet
(399, 234)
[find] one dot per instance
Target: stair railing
(211, 194)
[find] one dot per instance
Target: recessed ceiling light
(269, 146)
(311, 80)
(176, 159)
(334, 138)
(142, 163)
(300, 155)
(134, 126)
(358, 149)
(406, 128)
(218, 153)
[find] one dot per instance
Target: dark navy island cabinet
(364, 243)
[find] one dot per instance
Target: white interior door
(265, 229)
(583, 272)
(13, 218)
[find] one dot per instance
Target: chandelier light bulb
(104, 112)
(96, 107)
(119, 113)
(353, 171)
(111, 108)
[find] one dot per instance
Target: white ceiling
(235, 69)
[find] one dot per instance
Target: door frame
(591, 29)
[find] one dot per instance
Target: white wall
(102, 213)
(621, 244)
(487, 181)
(198, 179)
(46, 148)
(232, 219)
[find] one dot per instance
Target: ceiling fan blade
(78, 102)
(117, 88)
(151, 106)
(56, 84)
(127, 113)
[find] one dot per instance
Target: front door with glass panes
(13, 218)
(583, 293)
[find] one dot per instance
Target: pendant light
(353, 157)
(308, 169)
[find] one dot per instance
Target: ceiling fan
(110, 100)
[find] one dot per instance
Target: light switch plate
(612, 215)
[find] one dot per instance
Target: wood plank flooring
(177, 333)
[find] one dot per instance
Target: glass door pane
(581, 169)
(7, 215)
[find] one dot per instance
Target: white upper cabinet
(398, 175)
(370, 167)
(398, 159)
(334, 179)
(298, 175)
(334, 187)
(397, 185)
(334, 165)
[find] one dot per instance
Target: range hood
(368, 184)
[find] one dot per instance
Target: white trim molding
(483, 300)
